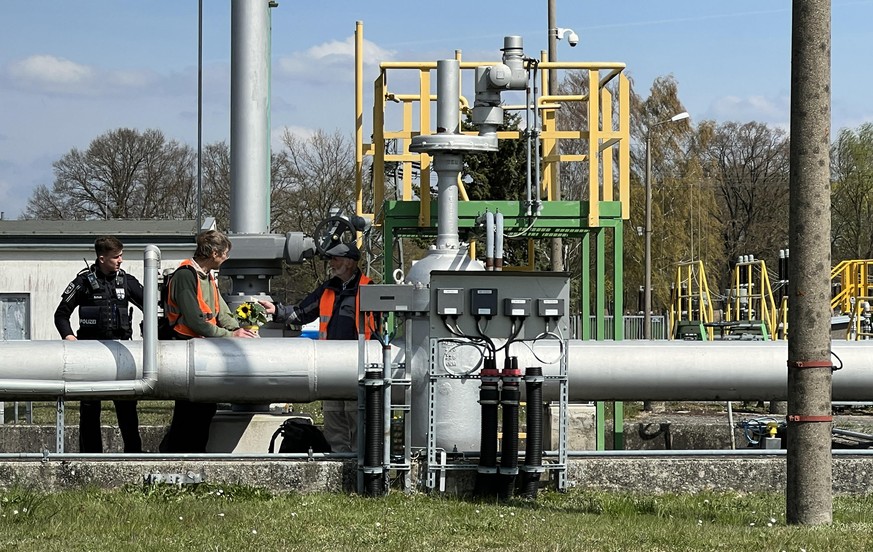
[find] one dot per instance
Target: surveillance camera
(573, 39)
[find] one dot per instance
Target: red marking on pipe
(799, 418)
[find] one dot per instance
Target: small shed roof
(22, 234)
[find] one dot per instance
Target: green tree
(852, 194)
(502, 175)
(122, 174)
(747, 166)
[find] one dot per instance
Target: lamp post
(647, 294)
(555, 34)
(199, 116)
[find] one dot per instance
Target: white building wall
(43, 274)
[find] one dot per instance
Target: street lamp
(647, 299)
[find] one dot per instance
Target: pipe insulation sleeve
(295, 369)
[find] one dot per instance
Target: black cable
(490, 342)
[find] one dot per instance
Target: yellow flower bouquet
(251, 315)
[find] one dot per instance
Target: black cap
(347, 251)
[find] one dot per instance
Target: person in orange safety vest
(196, 310)
(336, 305)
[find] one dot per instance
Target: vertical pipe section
(359, 119)
(528, 132)
(374, 439)
(489, 240)
(489, 397)
(249, 117)
(809, 491)
(510, 397)
(533, 452)
(448, 165)
(557, 244)
(448, 96)
(498, 241)
(151, 267)
(647, 292)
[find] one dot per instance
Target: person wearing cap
(336, 304)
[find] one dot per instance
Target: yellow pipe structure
(359, 117)
(605, 147)
(691, 298)
(751, 288)
(600, 142)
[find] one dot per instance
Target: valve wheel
(333, 231)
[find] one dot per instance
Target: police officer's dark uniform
(104, 313)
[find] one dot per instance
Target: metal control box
(483, 302)
(550, 307)
(516, 307)
(449, 301)
(467, 295)
(394, 298)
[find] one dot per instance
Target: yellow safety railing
(782, 318)
(606, 141)
(854, 277)
(751, 297)
(691, 298)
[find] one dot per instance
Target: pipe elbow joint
(145, 387)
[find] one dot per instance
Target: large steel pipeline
(210, 370)
(295, 369)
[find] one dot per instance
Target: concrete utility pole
(557, 243)
(809, 491)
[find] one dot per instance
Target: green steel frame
(566, 219)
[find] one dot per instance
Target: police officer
(103, 293)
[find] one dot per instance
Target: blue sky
(71, 70)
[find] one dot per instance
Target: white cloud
(278, 135)
(773, 110)
(45, 70)
(330, 61)
(49, 74)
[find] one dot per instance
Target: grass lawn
(233, 519)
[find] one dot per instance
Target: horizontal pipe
(713, 371)
(64, 456)
(852, 434)
(592, 454)
(296, 369)
(209, 370)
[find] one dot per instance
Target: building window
(14, 316)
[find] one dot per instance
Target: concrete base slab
(276, 475)
(649, 475)
(245, 432)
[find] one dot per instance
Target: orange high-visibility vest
(325, 310)
(173, 313)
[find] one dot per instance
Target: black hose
(510, 396)
(533, 454)
(374, 481)
(489, 398)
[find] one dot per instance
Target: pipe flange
(452, 143)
